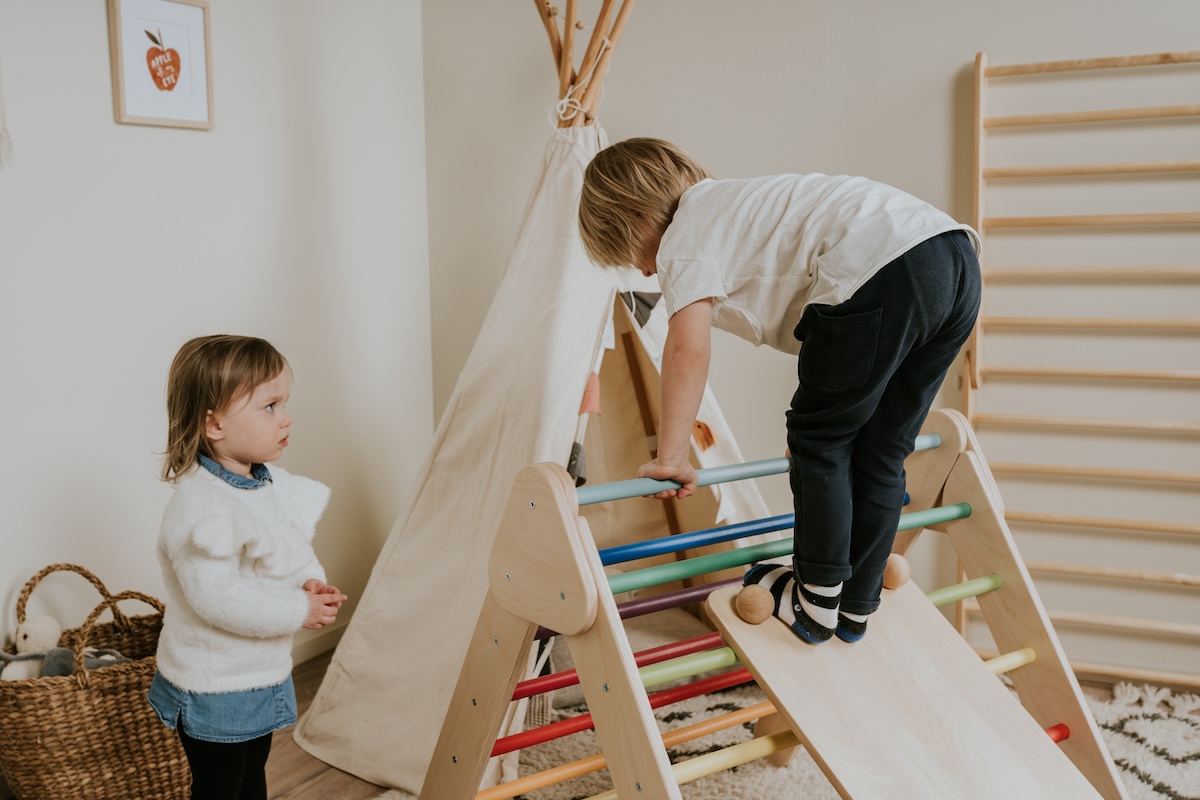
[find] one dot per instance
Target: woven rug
(1153, 735)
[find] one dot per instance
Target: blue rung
(683, 541)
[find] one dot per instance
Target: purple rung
(659, 602)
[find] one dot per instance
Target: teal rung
(714, 562)
(642, 487)
(964, 590)
(687, 666)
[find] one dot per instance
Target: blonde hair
(630, 193)
(208, 374)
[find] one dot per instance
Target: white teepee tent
(517, 401)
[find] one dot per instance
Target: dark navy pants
(869, 370)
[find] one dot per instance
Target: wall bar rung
(1110, 523)
(1145, 426)
(1075, 65)
(1113, 573)
(1082, 170)
(1126, 624)
(1169, 375)
(1094, 220)
(1094, 323)
(1106, 115)
(1094, 274)
(1106, 473)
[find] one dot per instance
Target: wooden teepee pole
(591, 96)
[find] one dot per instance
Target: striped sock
(811, 612)
(851, 627)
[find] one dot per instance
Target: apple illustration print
(164, 63)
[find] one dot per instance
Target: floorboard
(293, 774)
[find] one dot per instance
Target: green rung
(687, 666)
(714, 562)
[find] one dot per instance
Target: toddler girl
(237, 559)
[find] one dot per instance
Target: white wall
(301, 218)
(882, 89)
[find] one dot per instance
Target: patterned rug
(1153, 735)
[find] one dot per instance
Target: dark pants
(227, 771)
(869, 370)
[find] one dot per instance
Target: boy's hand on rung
(683, 473)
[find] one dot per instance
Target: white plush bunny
(34, 638)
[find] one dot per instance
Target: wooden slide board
(909, 711)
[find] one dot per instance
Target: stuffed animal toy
(61, 661)
(35, 637)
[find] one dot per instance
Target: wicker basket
(92, 735)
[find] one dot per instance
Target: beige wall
(300, 218)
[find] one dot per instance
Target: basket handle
(36, 579)
(85, 630)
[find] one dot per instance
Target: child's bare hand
(683, 473)
(322, 608)
(317, 587)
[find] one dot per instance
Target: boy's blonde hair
(630, 193)
(208, 374)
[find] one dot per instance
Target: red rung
(1058, 732)
(583, 722)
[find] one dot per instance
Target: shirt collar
(259, 474)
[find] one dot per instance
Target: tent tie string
(568, 107)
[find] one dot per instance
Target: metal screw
(562, 595)
(638, 786)
(606, 687)
(532, 504)
(507, 577)
(453, 759)
(495, 640)
(474, 702)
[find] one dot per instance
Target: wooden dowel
(1093, 220)
(1075, 170)
(1094, 323)
(1109, 523)
(543, 7)
(574, 769)
(1109, 622)
(591, 95)
(1114, 573)
(1105, 473)
(1117, 62)
(1097, 274)
(1173, 375)
(1086, 423)
(566, 63)
(1115, 672)
(1006, 663)
(1105, 115)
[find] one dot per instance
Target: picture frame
(161, 54)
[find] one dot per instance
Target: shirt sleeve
(685, 282)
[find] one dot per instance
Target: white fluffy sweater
(234, 561)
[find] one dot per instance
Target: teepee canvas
(555, 317)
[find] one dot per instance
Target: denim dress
(226, 717)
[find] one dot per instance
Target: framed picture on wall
(161, 62)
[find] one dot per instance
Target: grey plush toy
(61, 661)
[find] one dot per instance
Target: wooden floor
(293, 774)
